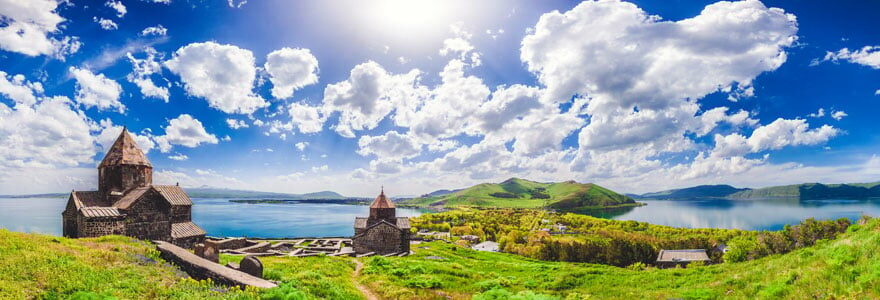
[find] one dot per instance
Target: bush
(503, 294)
(284, 292)
(637, 266)
(424, 282)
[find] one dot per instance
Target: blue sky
(301, 96)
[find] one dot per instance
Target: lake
(223, 218)
(750, 215)
(218, 217)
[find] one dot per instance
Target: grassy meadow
(44, 267)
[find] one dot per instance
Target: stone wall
(382, 239)
(95, 227)
(149, 218)
(188, 242)
(122, 178)
(181, 213)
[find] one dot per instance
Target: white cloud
(143, 69)
(818, 114)
(236, 124)
(391, 145)
(96, 90)
(109, 134)
(306, 118)
(290, 70)
(774, 136)
(185, 131)
(233, 4)
(39, 131)
(118, 7)
(178, 157)
(366, 97)
(106, 24)
(28, 26)
(157, 30)
(222, 74)
(302, 146)
(839, 115)
(620, 56)
(867, 56)
(322, 168)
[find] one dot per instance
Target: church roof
(382, 201)
(360, 222)
(174, 194)
(186, 229)
(97, 212)
(87, 198)
(129, 198)
(125, 152)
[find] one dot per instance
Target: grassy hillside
(521, 193)
(44, 267)
(702, 191)
(845, 268)
(813, 191)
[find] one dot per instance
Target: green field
(521, 193)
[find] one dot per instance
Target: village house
(382, 232)
(672, 258)
(127, 202)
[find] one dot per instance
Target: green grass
(521, 193)
(45, 267)
(848, 267)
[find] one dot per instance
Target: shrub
(284, 292)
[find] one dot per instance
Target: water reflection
(751, 215)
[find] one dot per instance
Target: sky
(348, 96)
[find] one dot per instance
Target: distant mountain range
(521, 193)
(210, 192)
(805, 191)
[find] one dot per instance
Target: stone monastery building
(383, 232)
(127, 202)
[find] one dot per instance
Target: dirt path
(357, 273)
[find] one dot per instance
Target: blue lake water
(218, 217)
(223, 218)
(750, 215)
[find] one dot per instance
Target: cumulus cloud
(28, 26)
(185, 131)
(236, 124)
(157, 30)
(839, 115)
(40, 131)
(391, 145)
(106, 24)
(291, 69)
(306, 118)
(96, 90)
(118, 7)
(223, 75)
(301, 146)
(774, 136)
(366, 97)
(143, 69)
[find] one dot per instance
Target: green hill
(813, 191)
(521, 193)
(702, 191)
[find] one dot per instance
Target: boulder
(251, 265)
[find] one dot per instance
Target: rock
(208, 251)
(252, 266)
(232, 265)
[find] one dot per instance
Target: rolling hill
(208, 192)
(521, 193)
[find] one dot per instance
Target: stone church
(127, 202)
(382, 232)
